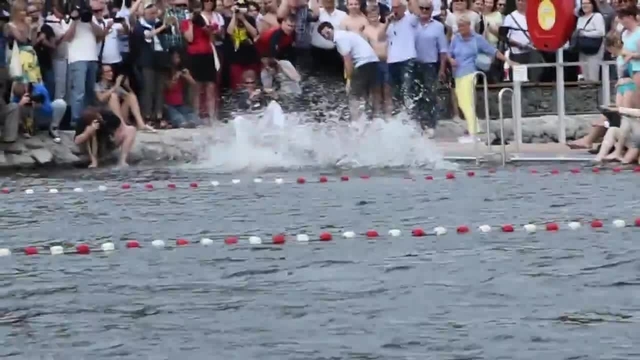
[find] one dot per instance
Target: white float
(395, 232)
(530, 228)
(206, 242)
(255, 240)
(158, 244)
(56, 250)
(302, 237)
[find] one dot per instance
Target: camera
(35, 98)
(241, 5)
(118, 20)
(198, 20)
(81, 11)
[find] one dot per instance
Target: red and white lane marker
(281, 239)
(301, 180)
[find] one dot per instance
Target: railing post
(562, 135)
(517, 114)
(606, 85)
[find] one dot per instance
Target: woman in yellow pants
(464, 49)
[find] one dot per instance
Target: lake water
(565, 295)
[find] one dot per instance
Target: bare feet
(147, 128)
(614, 156)
(93, 165)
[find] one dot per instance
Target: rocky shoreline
(188, 145)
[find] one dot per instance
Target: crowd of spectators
(110, 69)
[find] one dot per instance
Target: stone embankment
(188, 145)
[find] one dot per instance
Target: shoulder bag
(483, 61)
(585, 44)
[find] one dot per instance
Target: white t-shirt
(111, 52)
(515, 33)
(123, 40)
(401, 35)
(83, 45)
(335, 18)
(351, 44)
(452, 20)
(59, 27)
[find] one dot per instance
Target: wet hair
(324, 25)
(90, 114)
(627, 11)
(613, 40)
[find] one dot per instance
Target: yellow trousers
(466, 100)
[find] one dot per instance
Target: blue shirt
(430, 42)
(44, 110)
(630, 43)
(464, 51)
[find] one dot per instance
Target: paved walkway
(526, 152)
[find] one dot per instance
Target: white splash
(273, 140)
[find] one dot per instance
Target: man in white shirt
(360, 64)
(83, 38)
(323, 51)
(60, 62)
(401, 30)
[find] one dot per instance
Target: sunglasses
(501, 5)
(425, 8)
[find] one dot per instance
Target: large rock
(42, 156)
(191, 145)
(19, 161)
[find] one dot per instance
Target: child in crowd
(180, 114)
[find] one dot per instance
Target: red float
(550, 23)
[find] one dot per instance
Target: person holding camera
(104, 130)
(33, 103)
(153, 60)
(59, 62)
(198, 32)
(23, 33)
(180, 114)
(242, 30)
(83, 36)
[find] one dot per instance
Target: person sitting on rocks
(103, 129)
(112, 95)
(35, 110)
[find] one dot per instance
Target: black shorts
(203, 68)
(364, 79)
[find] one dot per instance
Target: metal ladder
(516, 124)
(487, 119)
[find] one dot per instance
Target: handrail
(564, 64)
(513, 114)
(486, 106)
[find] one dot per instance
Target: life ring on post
(551, 23)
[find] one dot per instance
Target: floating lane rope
(450, 176)
(323, 237)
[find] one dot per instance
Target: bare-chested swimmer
(355, 20)
(376, 33)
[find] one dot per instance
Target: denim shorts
(383, 77)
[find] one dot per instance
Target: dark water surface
(566, 295)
